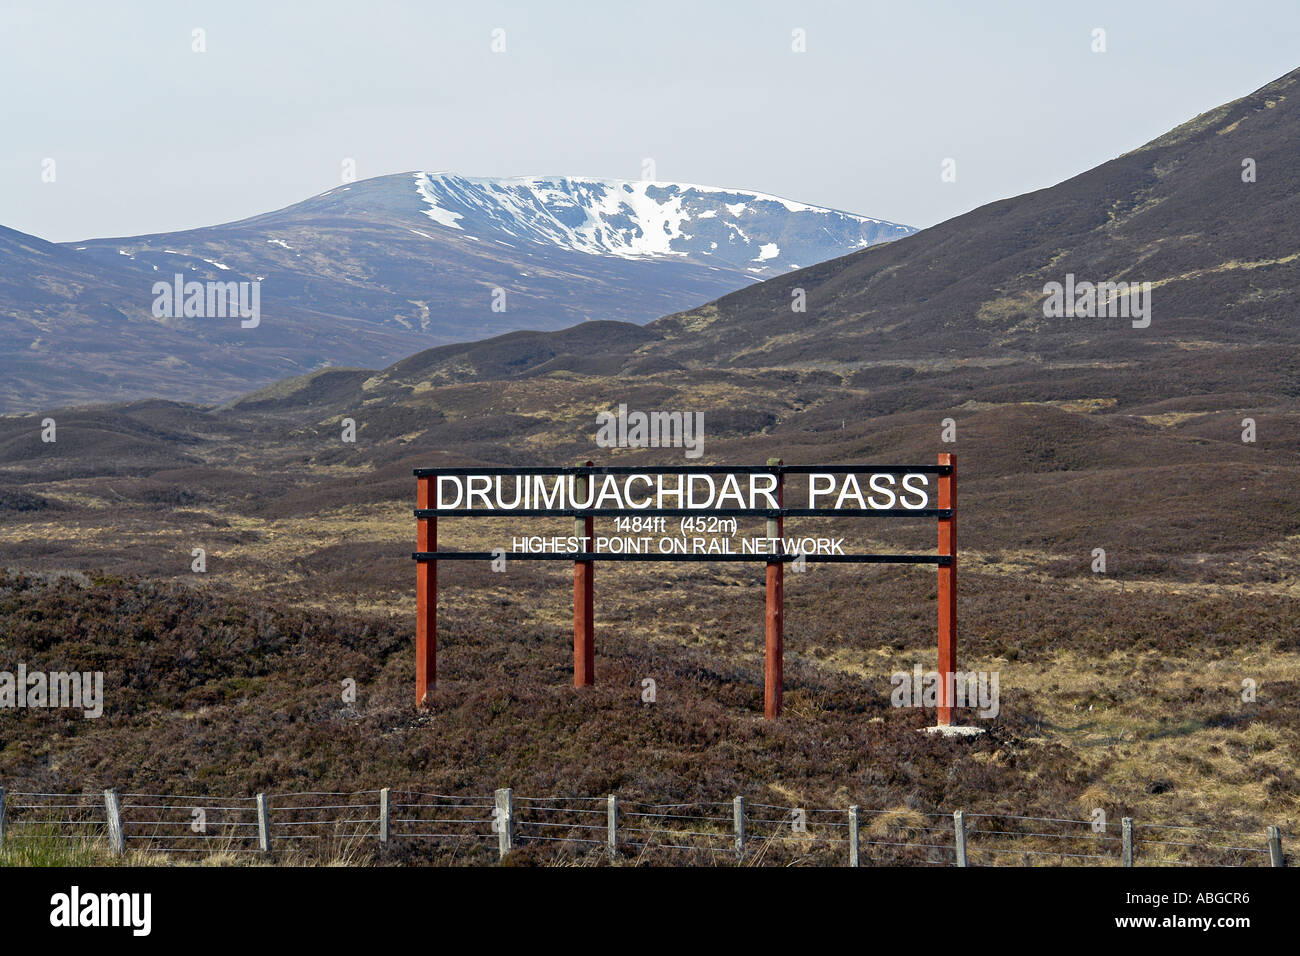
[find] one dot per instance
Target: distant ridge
(371, 271)
(757, 232)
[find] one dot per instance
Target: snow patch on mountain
(444, 217)
(638, 219)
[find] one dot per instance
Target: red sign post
(426, 599)
(584, 602)
(947, 589)
(774, 645)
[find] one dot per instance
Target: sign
(619, 492)
(641, 500)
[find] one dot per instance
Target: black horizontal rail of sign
(688, 470)
(942, 560)
(682, 512)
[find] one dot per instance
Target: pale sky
(149, 136)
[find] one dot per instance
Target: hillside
(372, 271)
(1222, 256)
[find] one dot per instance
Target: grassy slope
(1119, 700)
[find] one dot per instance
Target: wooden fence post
(584, 634)
(738, 824)
(113, 809)
(1126, 831)
(947, 590)
(504, 821)
(263, 824)
(426, 599)
(1275, 857)
(959, 835)
(611, 817)
(385, 796)
(774, 651)
(853, 836)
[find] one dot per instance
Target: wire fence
(468, 829)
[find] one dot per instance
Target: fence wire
(350, 826)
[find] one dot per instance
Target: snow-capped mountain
(371, 271)
(756, 232)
